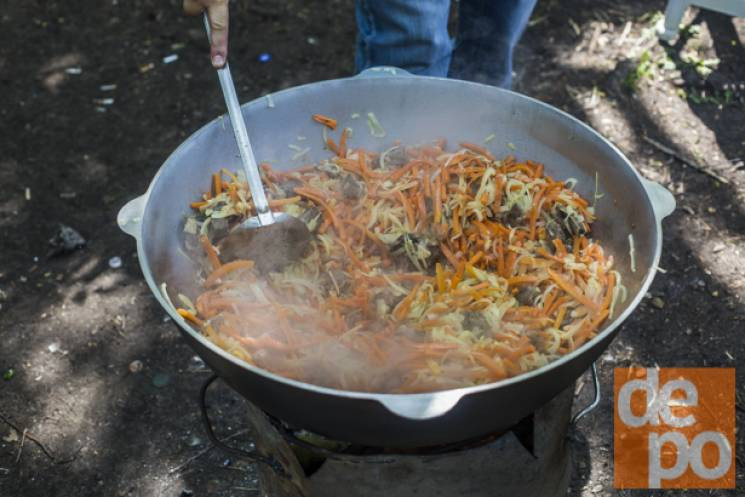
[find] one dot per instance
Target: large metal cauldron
(411, 109)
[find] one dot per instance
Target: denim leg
(488, 31)
(410, 34)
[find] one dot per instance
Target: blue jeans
(413, 35)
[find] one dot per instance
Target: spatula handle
(241, 138)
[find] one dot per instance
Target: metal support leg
(595, 401)
(676, 8)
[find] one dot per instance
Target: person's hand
(218, 14)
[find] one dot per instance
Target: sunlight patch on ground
(702, 148)
(160, 483)
(605, 117)
(601, 44)
(86, 268)
(726, 265)
(57, 70)
(56, 363)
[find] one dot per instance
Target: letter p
(656, 472)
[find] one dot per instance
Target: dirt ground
(71, 325)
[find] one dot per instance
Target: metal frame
(596, 399)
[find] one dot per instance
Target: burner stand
(532, 459)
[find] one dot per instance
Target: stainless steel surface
(413, 110)
(272, 247)
(241, 137)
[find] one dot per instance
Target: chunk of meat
(396, 157)
(512, 217)
(351, 188)
(527, 294)
(475, 322)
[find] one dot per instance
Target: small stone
(135, 366)
(66, 239)
(688, 331)
(115, 262)
(715, 293)
(53, 347)
(312, 40)
(196, 362)
(194, 441)
(160, 380)
(597, 489)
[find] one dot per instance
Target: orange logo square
(674, 428)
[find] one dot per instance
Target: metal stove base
(532, 460)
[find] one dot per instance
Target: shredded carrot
(216, 184)
(537, 203)
(223, 270)
(440, 278)
(343, 144)
(190, 316)
(560, 317)
(478, 149)
(572, 290)
(403, 307)
(326, 121)
(407, 207)
(209, 249)
(458, 275)
(332, 146)
(520, 280)
(317, 198)
(449, 255)
(497, 370)
(279, 202)
(561, 250)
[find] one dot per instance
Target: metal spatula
(271, 240)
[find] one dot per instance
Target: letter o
(696, 459)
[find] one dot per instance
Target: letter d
(649, 385)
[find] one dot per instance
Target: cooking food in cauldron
(429, 271)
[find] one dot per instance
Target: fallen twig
(203, 452)
(28, 435)
(669, 151)
(20, 447)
